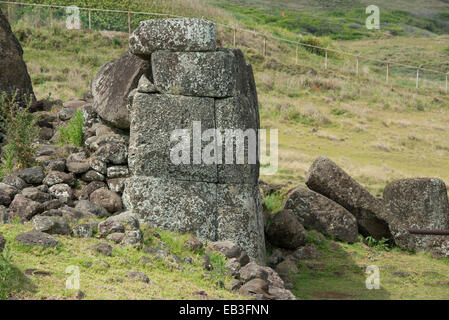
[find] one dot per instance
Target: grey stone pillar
(194, 82)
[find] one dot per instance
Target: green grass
(340, 274)
(169, 280)
(73, 132)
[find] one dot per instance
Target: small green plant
(379, 245)
(6, 274)
(21, 131)
(273, 202)
(218, 261)
(73, 132)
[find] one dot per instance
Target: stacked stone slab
(192, 80)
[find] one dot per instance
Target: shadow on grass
(12, 280)
(334, 275)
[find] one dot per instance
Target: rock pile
(190, 81)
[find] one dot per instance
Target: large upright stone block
(173, 35)
(240, 115)
(181, 206)
(153, 119)
(217, 74)
(240, 217)
(182, 177)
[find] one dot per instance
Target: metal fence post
(417, 78)
(90, 19)
(357, 66)
(446, 82)
(388, 72)
(235, 35)
(51, 16)
(297, 48)
(264, 45)
(325, 61)
(9, 13)
(129, 22)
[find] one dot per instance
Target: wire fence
(389, 72)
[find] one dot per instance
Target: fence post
(129, 22)
(297, 48)
(357, 67)
(446, 81)
(90, 19)
(388, 72)
(235, 35)
(325, 61)
(9, 12)
(51, 16)
(417, 78)
(264, 45)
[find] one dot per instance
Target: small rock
(116, 237)
(103, 248)
(139, 276)
(255, 287)
(227, 248)
(91, 187)
(85, 230)
(61, 191)
(307, 252)
(206, 264)
(193, 244)
(252, 271)
(285, 231)
(66, 113)
(58, 177)
(36, 195)
(106, 228)
(14, 181)
(55, 165)
(33, 175)
(36, 272)
(92, 175)
(51, 225)
(85, 205)
(117, 172)
(25, 208)
(107, 199)
(35, 238)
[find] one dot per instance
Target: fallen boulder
(112, 85)
(326, 178)
(285, 231)
(315, 211)
(419, 203)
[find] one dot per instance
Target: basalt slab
(218, 74)
(173, 35)
(154, 118)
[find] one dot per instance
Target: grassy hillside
(376, 132)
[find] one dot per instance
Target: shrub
(73, 132)
(21, 130)
(6, 274)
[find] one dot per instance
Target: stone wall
(191, 80)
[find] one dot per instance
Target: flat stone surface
(240, 219)
(153, 119)
(179, 206)
(217, 74)
(184, 34)
(35, 238)
(238, 113)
